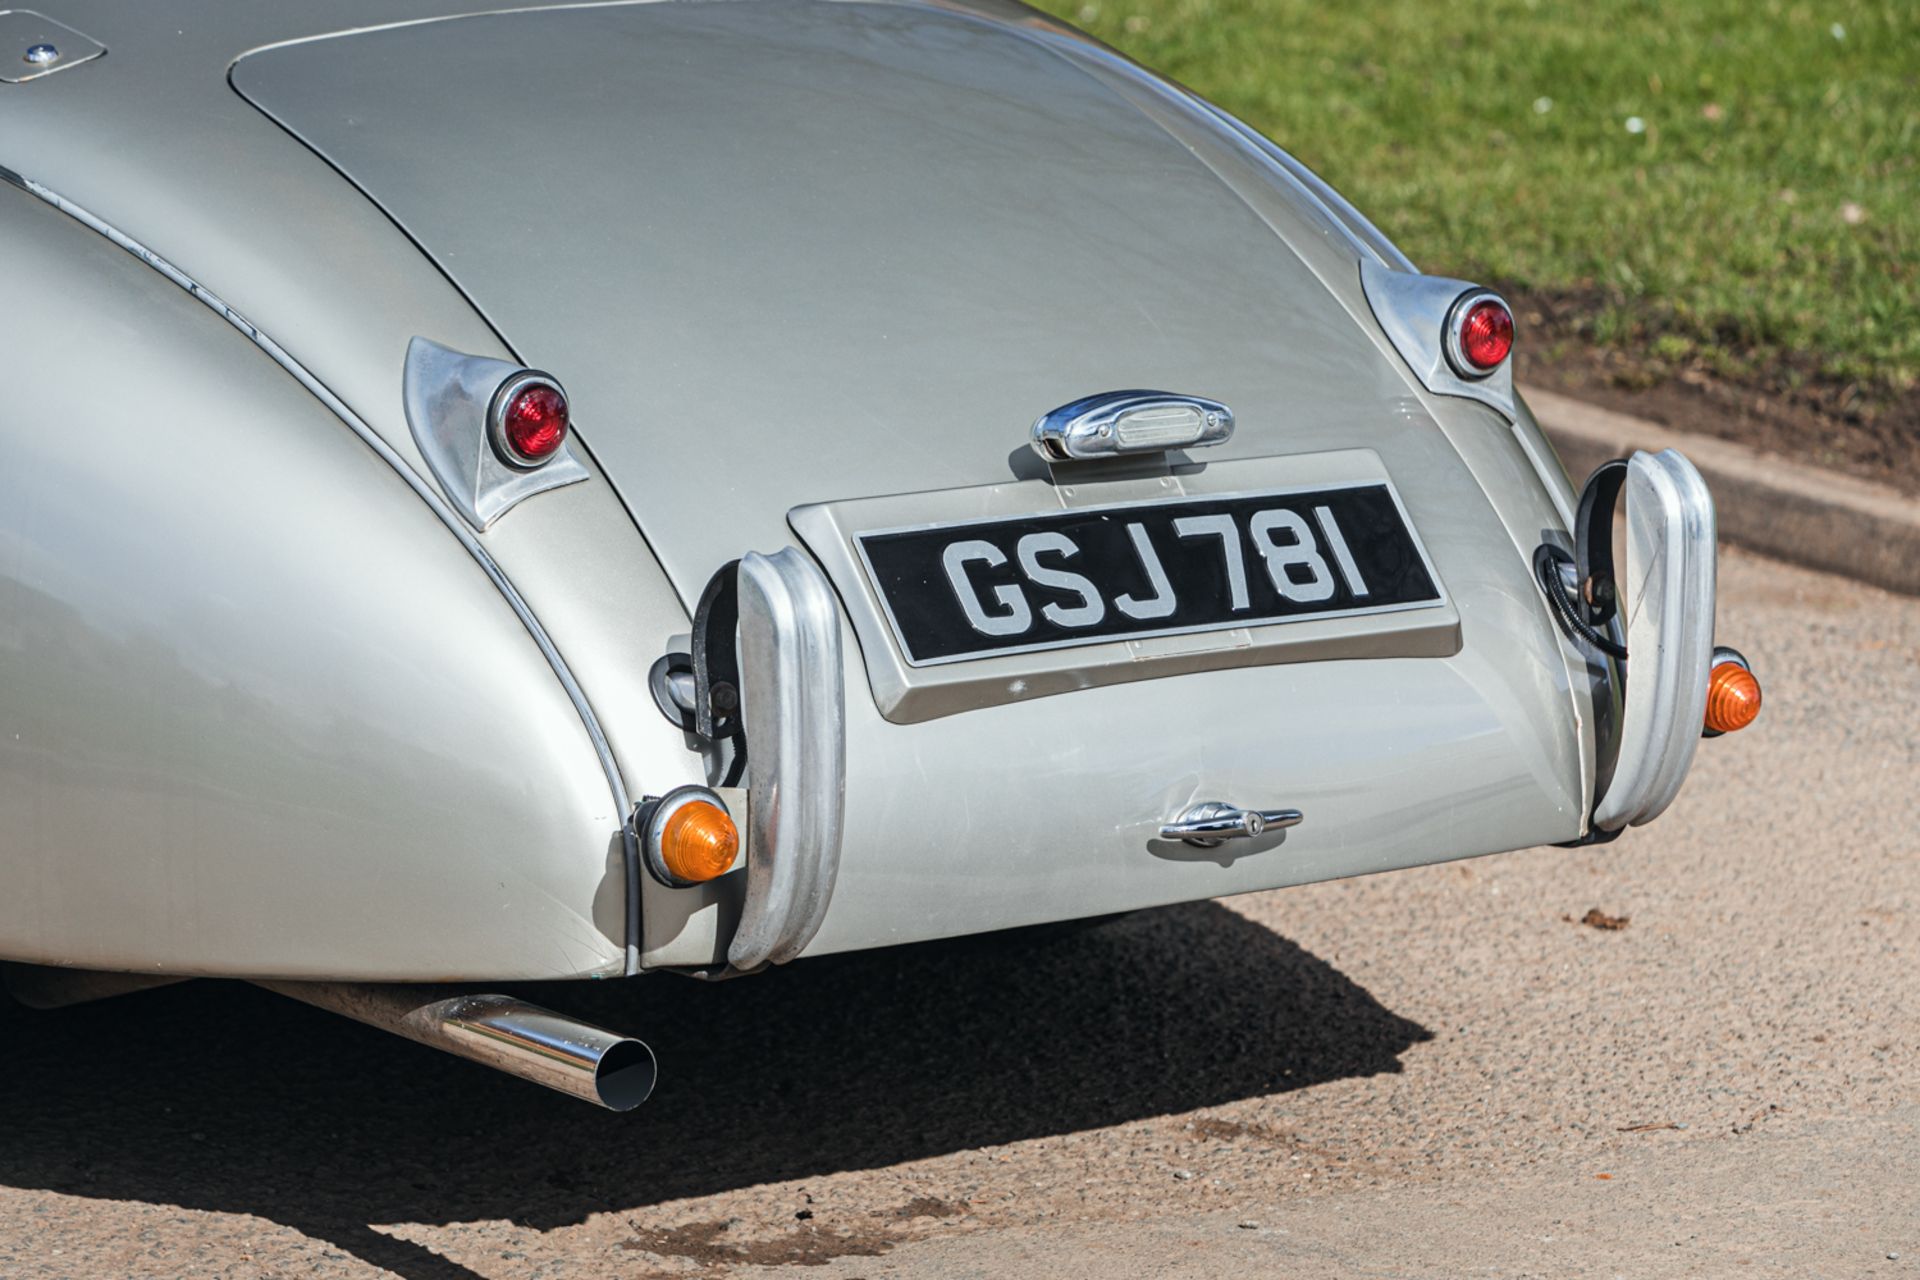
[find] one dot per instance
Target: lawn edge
(1767, 503)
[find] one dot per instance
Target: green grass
(1764, 216)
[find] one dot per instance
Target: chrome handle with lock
(1212, 822)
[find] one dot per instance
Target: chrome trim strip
(1416, 313)
(794, 707)
(1667, 593)
(1367, 238)
(1321, 201)
(427, 494)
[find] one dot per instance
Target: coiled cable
(1548, 561)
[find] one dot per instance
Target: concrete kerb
(1766, 503)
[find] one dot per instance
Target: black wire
(1547, 562)
(738, 765)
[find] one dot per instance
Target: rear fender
(263, 715)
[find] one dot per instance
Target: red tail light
(1486, 335)
(529, 420)
(1479, 335)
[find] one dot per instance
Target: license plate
(972, 590)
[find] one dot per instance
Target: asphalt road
(1439, 1072)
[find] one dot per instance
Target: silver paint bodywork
(236, 737)
(805, 268)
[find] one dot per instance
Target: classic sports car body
(340, 645)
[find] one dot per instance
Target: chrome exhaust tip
(569, 1056)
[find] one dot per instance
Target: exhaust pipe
(497, 1031)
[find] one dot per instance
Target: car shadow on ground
(220, 1096)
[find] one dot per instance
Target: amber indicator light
(1733, 698)
(698, 842)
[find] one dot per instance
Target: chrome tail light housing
(1426, 318)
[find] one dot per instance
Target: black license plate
(987, 587)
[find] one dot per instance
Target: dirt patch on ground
(928, 1207)
(719, 1244)
(1222, 1130)
(1785, 405)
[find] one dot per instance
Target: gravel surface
(1433, 1072)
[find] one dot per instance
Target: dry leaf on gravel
(1598, 919)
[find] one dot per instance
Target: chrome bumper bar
(1667, 597)
(793, 707)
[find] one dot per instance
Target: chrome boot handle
(1213, 821)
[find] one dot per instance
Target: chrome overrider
(1666, 594)
(547, 1048)
(794, 709)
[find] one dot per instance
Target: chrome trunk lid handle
(1114, 423)
(1212, 822)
